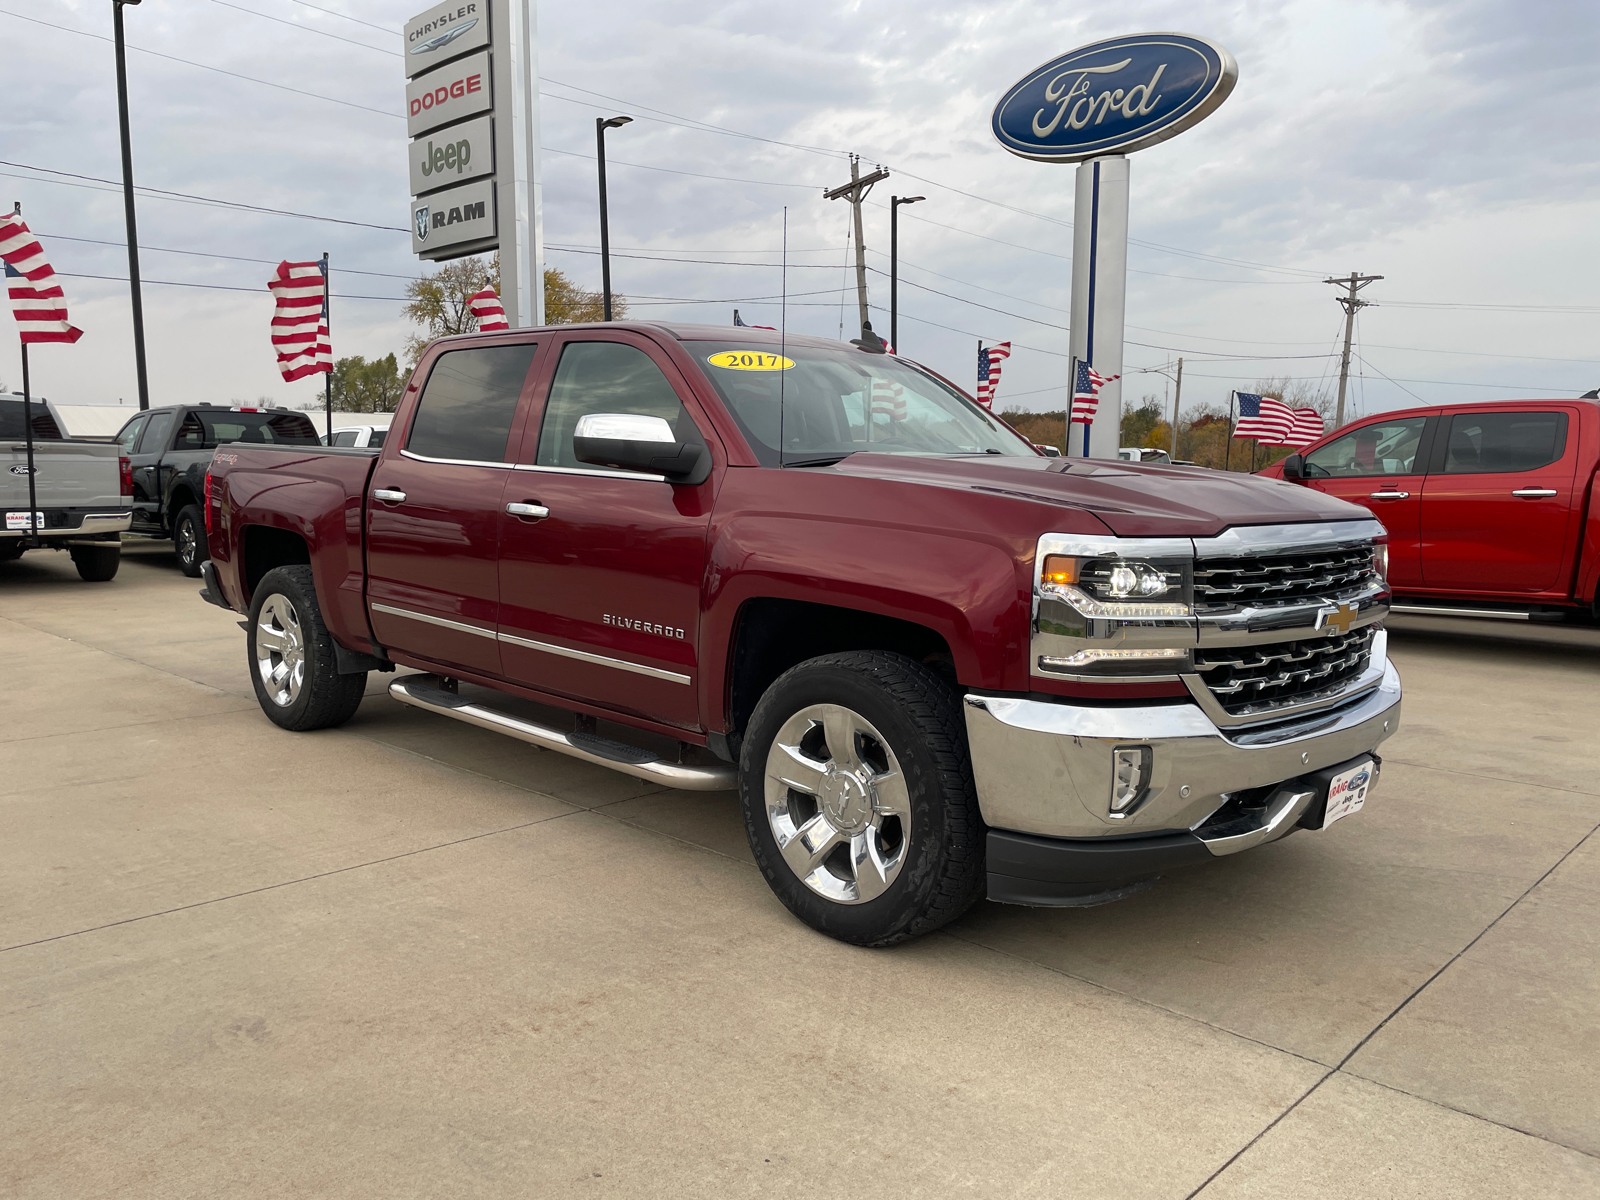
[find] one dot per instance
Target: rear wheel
(858, 798)
(292, 660)
(97, 564)
(11, 549)
(189, 540)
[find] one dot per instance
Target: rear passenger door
(1497, 507)
(1380, 465)
(600, 595)
(433, 509)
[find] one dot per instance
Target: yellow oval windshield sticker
(750, 360)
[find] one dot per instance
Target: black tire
(97, 564)
(189, 539)
(324, 697)
(941, 862)
(11, 549)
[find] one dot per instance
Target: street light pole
(127, 204)
(894, 266)
(601, 124)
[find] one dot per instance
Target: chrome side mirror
(634, 442)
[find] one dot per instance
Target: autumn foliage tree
(439, 301)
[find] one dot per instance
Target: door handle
(389, 495)
(537, 512)
(1535, 493)
(1389, 495)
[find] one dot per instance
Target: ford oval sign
(1114, 97)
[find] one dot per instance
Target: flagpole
(327, 310)
(27, 428)
(1227, 457)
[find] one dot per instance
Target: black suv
(170, 449)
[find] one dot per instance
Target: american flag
(1086, 393)
(989, 361)
(486, 306)
(888, 399)
(1306, 429)
(37, 300)
(300, 322)
(1264, 418)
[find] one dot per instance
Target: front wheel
(858, 798)
(189, 539)
(97, 564)
(292, 660)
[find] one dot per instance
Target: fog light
(1130, 777)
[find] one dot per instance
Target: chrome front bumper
(1045, 768)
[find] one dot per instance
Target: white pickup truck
(81, 499)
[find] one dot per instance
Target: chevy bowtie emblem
(1337, 619)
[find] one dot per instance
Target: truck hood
(1130, 499)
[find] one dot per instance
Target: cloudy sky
(1450, 146)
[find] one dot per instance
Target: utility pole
(135, 291)
(856, 191)
(1177, 397)
(1350, 304)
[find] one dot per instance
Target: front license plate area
(1348, 791)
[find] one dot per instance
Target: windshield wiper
(827, 461)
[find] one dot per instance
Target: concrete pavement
(412, 958)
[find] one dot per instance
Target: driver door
(1380, 465)
(601, 569)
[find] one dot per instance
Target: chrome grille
(1273, 579)
(1250, 679)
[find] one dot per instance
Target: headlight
(1113, 587)
(1380, 561)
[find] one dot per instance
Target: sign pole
(518, 187)
(1099, 289)
(1227, 454)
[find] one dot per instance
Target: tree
(439, 301)
(367, 387)
(1140, 424)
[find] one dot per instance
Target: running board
(1429, 610)
(427, 692)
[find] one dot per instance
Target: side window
(469, 402)
(129, 437)
(606, 377)
(345, 437)
(154, 440)
(191, 434)
(1385, 448)
(377, 436)
(1504, 441)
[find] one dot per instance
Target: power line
(282, 87)
(190, 197)
(307, 28)
(221, 287)
(347, 17)
(62, 237)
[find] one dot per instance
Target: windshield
(836, 402)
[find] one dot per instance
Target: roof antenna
(783, 330)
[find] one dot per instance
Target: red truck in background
(935, 663)
(1490, 507)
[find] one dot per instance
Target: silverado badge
(1336, 619)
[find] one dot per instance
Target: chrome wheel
(280, 650)
(838, 804)
(187, 542)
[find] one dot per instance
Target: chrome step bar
(1429, 610)
(428, 692)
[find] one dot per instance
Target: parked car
(169, 450)
(935, 663)
(78, 486)
(1144, 454)
(1490, 507)
(357, 435)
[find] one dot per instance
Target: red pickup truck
(935, 663)
(1490, 507)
